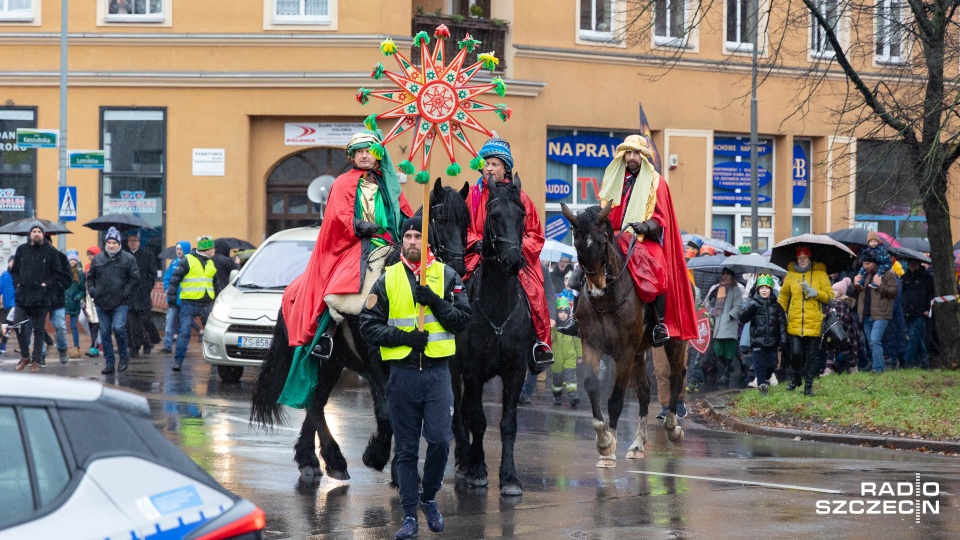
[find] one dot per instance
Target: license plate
(254, 342)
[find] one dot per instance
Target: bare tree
(890, 66)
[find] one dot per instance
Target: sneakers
(177, 366)
(63, 356)
(523, 399)
(660, 335)
(681, 409)
(408, 530)
(22, 364)
(663, 413)
(557, 400)
(763, 389)
(773, 379)
(434, 519)
(854, 370)
(122, 366)
(166, 350)
(93, 352)
(827, 372)
(753, 383)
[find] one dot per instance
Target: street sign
(67, 202)
(36, 138)
(85, 159)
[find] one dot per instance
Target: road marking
(247, 421)
(746, 482)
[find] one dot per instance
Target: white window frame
(28, 15)
(815, 28)
(598, 35)
(739, 45)
(301, 19)
(158, 17)
(885, 26)
(685, 39)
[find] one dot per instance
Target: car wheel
(230, 374)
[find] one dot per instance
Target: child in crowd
(567, 353)
(846, 357)
(768, 330)
(884, 262)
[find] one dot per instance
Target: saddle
(351, 304)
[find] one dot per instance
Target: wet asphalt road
(711, 485)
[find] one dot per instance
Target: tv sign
(558, 189)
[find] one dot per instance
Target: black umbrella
(918, 244)
(906, 253)
(169, 253)
(223, 246)
(122, 222)
(824, 249)
(21, 227)
(706, 270)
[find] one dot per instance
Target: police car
(80, 460)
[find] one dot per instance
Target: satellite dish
(319, 189)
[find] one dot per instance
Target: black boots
(324, 347)
(795, 382)
(660, 334)
(808, 388)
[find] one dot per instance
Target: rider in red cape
(499, 166)
(642, 205)
(364, 211)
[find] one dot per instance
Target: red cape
(531, 276)
(335, 264)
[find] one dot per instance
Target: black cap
(414, 223)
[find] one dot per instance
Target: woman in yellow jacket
(806, 289)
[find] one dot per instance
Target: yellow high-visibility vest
(404, 313)
(199, 279)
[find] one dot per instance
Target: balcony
(491, 32)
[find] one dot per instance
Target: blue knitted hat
(498, 148)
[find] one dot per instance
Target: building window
(135, 10)
(887, 190)
(670, 22)
(742, 24)
(731, 190)
(287, 202)
(889, 28)
(16, 10)
(18, 166)
(133, 181)
(801, 173)
(819, 44)
(596, 20)
(301, 11)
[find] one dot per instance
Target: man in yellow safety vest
(195, 278)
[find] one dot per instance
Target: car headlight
(220, 312)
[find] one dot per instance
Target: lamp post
(62, 173)
(754, 188)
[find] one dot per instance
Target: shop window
(17, 10)
(731, 190)
(134, 142)
(18, 166)
(287, 202)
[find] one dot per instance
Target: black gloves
(416, 339)
(364, 229)
(424, 295)
(649, 228)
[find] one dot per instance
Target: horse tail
(265, 410)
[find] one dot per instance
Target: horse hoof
(477, 482)
(339, 475)
(635, 453)
(308, 471)
(511, 490)
(609, 449)
(676, 434)
(607, 462)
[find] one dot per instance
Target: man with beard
(37, 275)
(112, 281)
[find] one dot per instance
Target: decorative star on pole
(436, 101)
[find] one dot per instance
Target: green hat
(204, 243)
(745, 249)
(563, 303)
(765, 280)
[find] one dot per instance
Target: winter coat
(224, 265)
(805, 315)
(726, 325)
(7, 290)
(917, 293)
(768, 322)
(36, 272)
(566, 350)
(147, 268)
(881, 298)
(75, 293)
(61, 285)
(113, 280)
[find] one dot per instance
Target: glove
(364, 229)
(640, 227)
(808, 290)
(478, 247)
(425, 296)
(416, 339)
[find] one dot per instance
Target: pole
(62, 173)
(754, 187)
(424, 245)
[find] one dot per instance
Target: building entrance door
(287, 202)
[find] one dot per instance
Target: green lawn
(905, 403)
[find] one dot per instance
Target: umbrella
(553, 250)
(224, 246)
(753, 263)
(836, 256)
(907, 253)
(122, 222)
(858, 236)
(720, 245)
(21, 227)
(169, 253)
(917, 244)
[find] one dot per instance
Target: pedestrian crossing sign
(68, 203)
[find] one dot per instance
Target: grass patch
(903, 403)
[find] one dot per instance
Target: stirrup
(542, 355)
(660, 335)
(324, 348)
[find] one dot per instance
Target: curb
(717, 404)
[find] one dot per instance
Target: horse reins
(498, 330)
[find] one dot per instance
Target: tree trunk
(947, 314)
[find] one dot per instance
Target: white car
(240, 327)
(80, 460)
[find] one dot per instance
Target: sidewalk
(716, 407)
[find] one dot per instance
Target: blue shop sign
(558, 189)
(801, 174)
(726, 198)
(556, 228)
(736, 175)
(582, 150)
(736, 146)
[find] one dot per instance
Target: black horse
(448, 230)
(497, 341)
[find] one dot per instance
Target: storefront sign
(801, 174)
(9, 200)
(763, 222)
(556, 228)
(739, 146)
(319, 134)
(131, 202)
(730, 199)
(85, 159)
(209, 162)
(36, 138)
(582, 150)
(558, 189)
(736, 175)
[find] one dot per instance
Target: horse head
(449, 219)
(504, 227)
(593, 239)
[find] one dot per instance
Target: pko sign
(582, 150)
(558, 189)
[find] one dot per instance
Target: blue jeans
(75, 330)
(58, 318)
(916, 348)
(188, 311)
(874, 330)
(171, 326)
(113, 322)
(529, 384)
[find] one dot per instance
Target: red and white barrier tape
(947, 298)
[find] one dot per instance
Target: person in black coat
(768, 329)
(58, 311)
(224, 265)
(916, 294)
(36, 276)
(112, 281)
(140, 328)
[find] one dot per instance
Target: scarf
(613, 187)
(414, 266)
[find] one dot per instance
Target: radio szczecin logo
(887, 498)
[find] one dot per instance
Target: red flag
(645, 131)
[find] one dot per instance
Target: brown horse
(612, 321)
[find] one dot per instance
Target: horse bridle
(512, 244)
(449, 255)
(606, 253)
